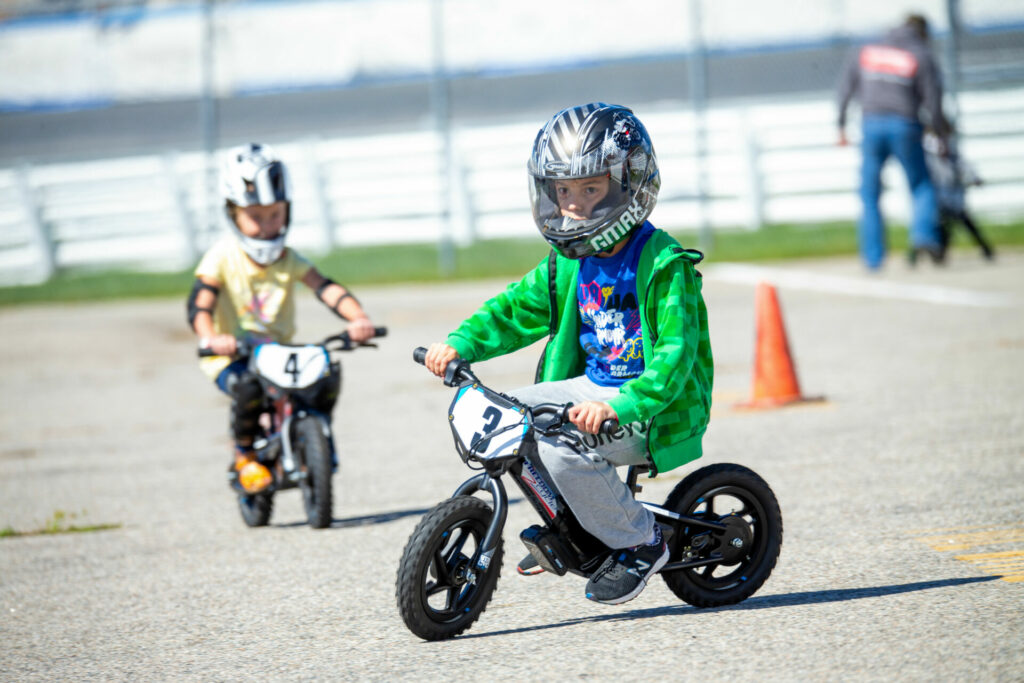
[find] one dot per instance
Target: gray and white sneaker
(624, 574)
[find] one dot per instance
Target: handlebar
(561, 411)
(244, 348)
(347, 344)
(458, 371)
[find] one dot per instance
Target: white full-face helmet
(593, 140)
(253, 175)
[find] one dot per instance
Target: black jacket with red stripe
(898, 76)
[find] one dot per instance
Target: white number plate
(475, 415)
(291, 367)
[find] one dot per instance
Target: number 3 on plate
(492, 416)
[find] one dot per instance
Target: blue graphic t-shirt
(609, 314)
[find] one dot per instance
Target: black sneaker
(528, 566)
(624, 574)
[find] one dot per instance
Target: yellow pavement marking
(1004, 556)
(963, 541)
(1001, 565)
(916, 532)
(1008, 565)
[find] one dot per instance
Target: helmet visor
(564, 210)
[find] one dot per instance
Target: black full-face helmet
(593, 140)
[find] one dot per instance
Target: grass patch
(485, 259)
(79, 286)
(59, 523)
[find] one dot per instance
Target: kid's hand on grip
(439, 358)
(594, 417)
(221, 345)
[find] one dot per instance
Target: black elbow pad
(191, 307)
(320, 290)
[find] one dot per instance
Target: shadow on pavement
(765, 602)
(379, 518)
(365, 520)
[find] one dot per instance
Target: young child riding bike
(244, 289)
(620, 302)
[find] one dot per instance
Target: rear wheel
(314, 451)
(441, 589)
(256, 508)
(738, 560)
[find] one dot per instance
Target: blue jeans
(229, 375)
(886, 135)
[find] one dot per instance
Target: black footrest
(544, 547)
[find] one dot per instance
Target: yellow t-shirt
(255, 302)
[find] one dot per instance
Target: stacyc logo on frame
(533, 479)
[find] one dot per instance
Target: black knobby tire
(440, 593)
(256, 508)
(739, 497)
(312, 448)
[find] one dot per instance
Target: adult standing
(898, 85)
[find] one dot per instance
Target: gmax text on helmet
(611, 235)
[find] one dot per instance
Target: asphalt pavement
(902, 495)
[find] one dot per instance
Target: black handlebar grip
(380, 332)
(609, 426)
(419, 354)
(242, 349)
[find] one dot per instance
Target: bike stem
(484, 482)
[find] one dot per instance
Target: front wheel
(314, 451)
(441, 589)
(256, 508)
(737, 560)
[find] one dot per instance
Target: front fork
(499, 501)
(293, 469)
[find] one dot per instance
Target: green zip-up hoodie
(673, 394)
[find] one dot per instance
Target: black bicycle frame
(587, 550)
(560, 520)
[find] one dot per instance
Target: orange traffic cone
(775, 382)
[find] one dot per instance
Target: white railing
(765, 163)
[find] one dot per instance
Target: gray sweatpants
(586, 477)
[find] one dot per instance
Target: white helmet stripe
(561, 141)
(264, 190)
(574, 116)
